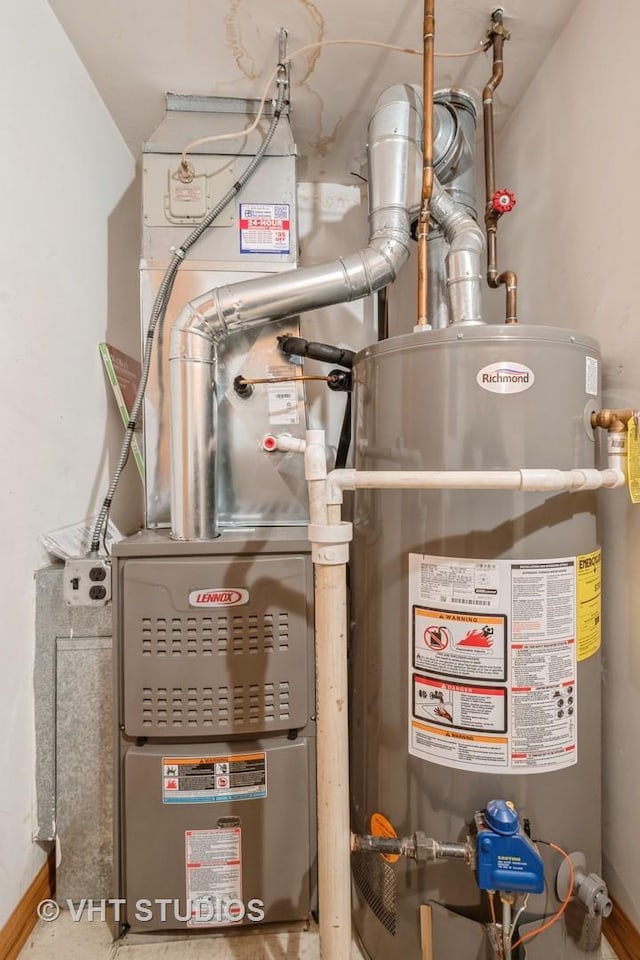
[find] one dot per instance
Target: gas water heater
(476, 643)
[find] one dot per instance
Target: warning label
(460, 644)
(633, 459)
(589, 604)
(465, 751)
(495, 686)
(214, 876)
(462, 708)
(214, 779)
(265, 228)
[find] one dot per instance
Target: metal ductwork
(466, 246)
(395, 135)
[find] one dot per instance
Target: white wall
(64, 169)
(572, 155)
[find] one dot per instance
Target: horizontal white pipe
(289, 444)
(543, 480)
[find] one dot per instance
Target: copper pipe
(496, 37)
(510, 280)
(249, 381)
(428, 31)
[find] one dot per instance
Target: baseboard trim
(622, 935)
(16, 930)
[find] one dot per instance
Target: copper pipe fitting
(615, 421)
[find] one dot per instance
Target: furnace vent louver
(206, 636)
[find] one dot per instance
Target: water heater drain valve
(506, 860)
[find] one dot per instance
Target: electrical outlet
(87, 582)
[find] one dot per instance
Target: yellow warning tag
(589, 604)
(633, 460)
(380, 827)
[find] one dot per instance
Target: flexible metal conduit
(394, 159)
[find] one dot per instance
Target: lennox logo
(506, 377)
(218, 597)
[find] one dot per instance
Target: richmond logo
(218, 597)
(505, 377)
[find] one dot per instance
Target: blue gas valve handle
(506, 860)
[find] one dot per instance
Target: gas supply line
(498, 202)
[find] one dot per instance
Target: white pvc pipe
(543, 480)
(291, 444)
(334, 836)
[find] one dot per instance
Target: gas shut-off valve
(502, 855)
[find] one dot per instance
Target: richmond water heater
(475, 654)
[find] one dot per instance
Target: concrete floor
(64, 939)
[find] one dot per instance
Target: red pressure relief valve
(503, 201)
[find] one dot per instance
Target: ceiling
(136, 51)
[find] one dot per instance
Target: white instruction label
(214, 779)
(492, 671)
(265, 228)
(591, 376)
(214, 876)
(282, 397)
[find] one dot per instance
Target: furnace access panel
(216, 772)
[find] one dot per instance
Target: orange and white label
(380, 827)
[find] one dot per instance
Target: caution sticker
(589, 591)
(380, 827)
(492, 659)
(466, 645)
(633, 460)
(214, 779)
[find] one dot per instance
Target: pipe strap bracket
(330, 542)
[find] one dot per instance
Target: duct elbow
(466, 246)
(469, 237)
(200, 322)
